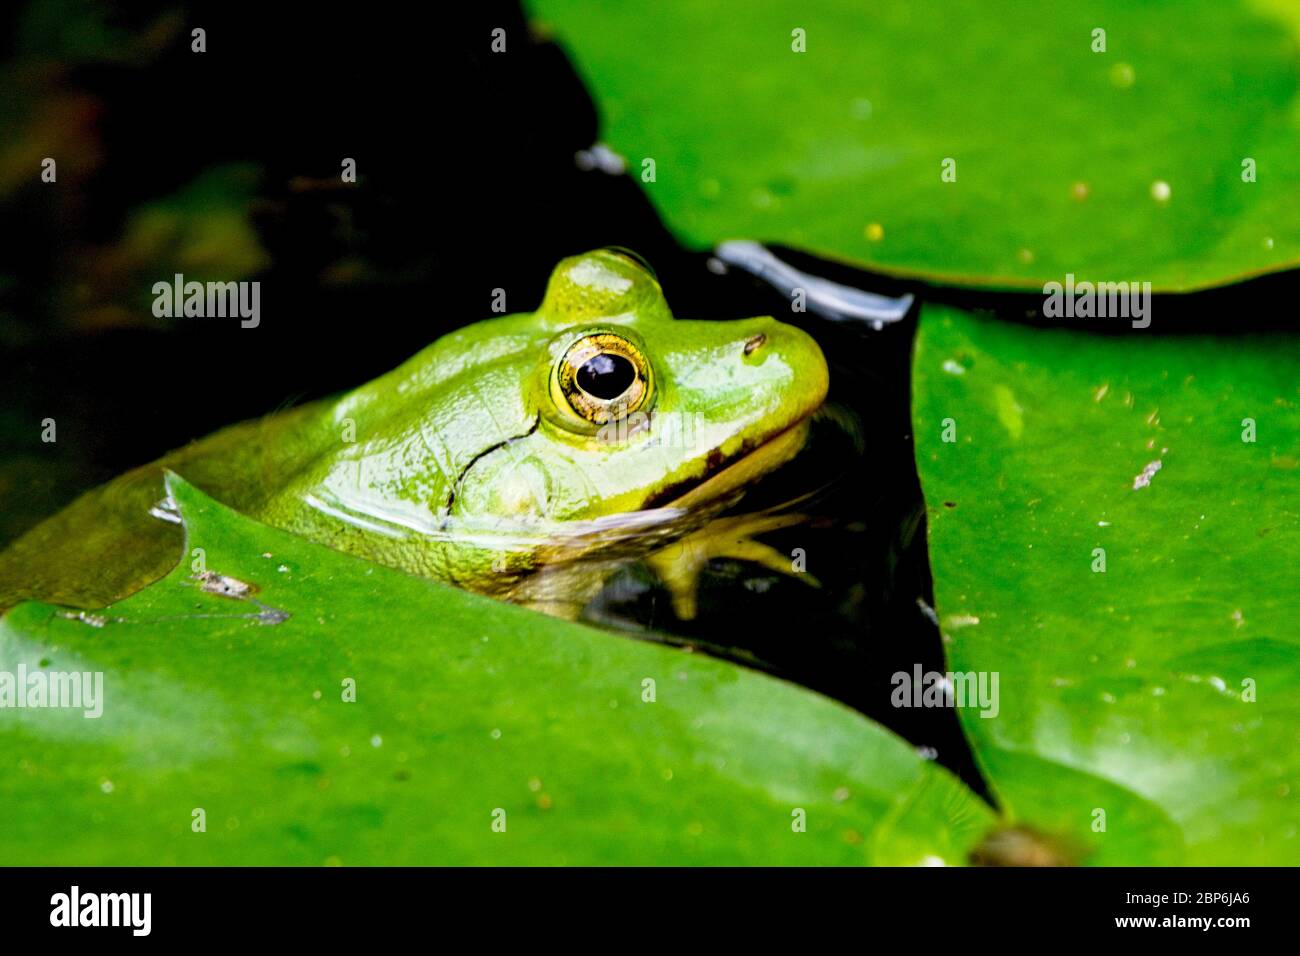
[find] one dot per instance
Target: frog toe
(679, 565)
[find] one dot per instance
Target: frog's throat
(739, 472)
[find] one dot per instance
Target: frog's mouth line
(722, 476)
(658, 516)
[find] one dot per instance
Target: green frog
(523, 456)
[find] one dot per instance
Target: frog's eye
(602, 377)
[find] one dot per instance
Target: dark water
(469, 184)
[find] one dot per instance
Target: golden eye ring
(602, 377)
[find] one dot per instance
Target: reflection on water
(792, 506)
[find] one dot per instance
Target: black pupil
(606, 376)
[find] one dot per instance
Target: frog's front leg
(680, 564)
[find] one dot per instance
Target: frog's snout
(801, 376)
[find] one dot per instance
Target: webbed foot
(680, 564)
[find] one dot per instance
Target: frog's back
(387, 491)
(289, 468)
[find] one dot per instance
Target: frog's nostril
(754, 343)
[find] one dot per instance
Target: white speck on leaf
(1143, 479)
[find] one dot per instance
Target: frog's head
(629, 408)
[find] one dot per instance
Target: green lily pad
(1105, 538)
(1123, 165)
(231, 701)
